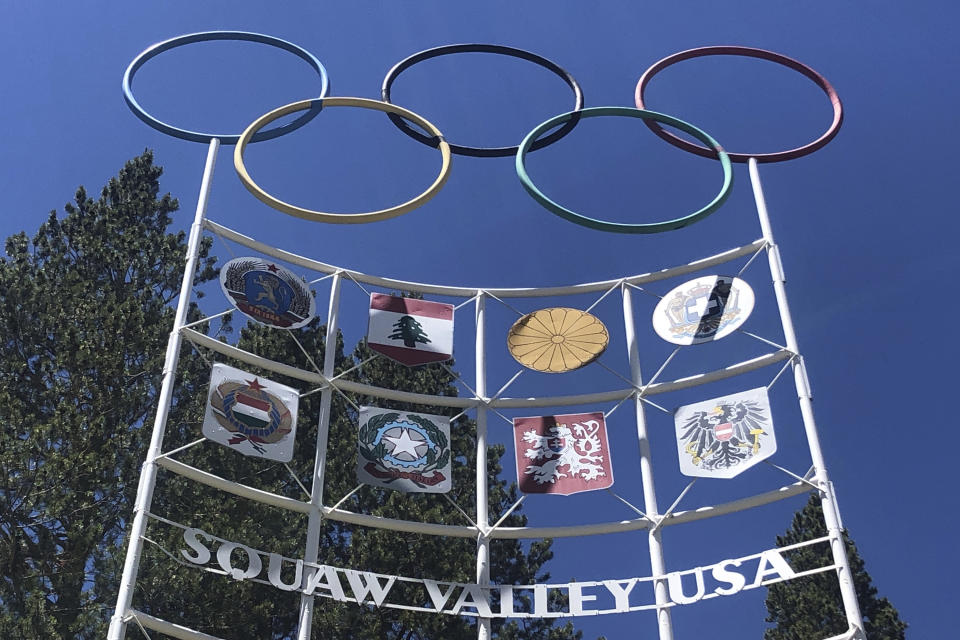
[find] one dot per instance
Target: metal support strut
(830, 513)
(655, 535)
(483, 516)
(148, 476)
(315, 518)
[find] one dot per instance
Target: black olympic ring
(482, 152)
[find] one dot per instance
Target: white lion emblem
(577, 449)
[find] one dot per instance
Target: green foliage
(85, 309)
(84, 313)
(811, 607)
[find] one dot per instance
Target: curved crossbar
(462, 531)
(469, 292)
(168, 628)
(501, 403)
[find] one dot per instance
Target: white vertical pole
(830, 513)
(320, 460)
(148, 474)
(483, 517)
(657, 564)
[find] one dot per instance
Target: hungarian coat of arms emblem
(251, 414)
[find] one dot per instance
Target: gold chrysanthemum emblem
(557, 340)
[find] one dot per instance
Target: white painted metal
(317, 512)
(430, 528)
(218, 482)
(483, 517)
(821, 479)
(469, 292)
(315, 518)
(497, 403)
(168, 628)
(655, 535)
(148, 476)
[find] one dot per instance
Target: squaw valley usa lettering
(596, 597)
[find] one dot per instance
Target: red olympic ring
(749, 52)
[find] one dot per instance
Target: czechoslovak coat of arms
(723, 437)
(562, 454)
(268, 293)
(404, 451)
(250, 414)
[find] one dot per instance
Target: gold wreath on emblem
(557, 340)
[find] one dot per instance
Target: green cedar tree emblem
(409, 330)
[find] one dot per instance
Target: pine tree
(810, 607)
(85, 309)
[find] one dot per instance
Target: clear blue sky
(866, 225)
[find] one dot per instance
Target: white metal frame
(652, 520)
(148, 476)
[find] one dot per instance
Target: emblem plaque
(704, 309)
(562, 454)
(557, 340)
(723, 437)
(410, 331)
(268, 293)
(250, 414)
(404, 451)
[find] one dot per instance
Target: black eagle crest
(735, 443)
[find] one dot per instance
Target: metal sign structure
(416, 448)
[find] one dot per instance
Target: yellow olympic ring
(340, 218)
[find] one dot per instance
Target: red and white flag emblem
(723, 431)
(410, 331)
(250, 414)
(562, 454)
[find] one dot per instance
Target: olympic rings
(750, 53)
(204, 36)
(617, 227)
(482, 152)
(340, 218)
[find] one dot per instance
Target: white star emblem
(406, 444)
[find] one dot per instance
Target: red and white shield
(562, 454)
(723, 432)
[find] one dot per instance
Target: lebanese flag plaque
(562, 454)
(410, 331)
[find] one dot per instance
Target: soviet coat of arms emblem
(268, 293)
